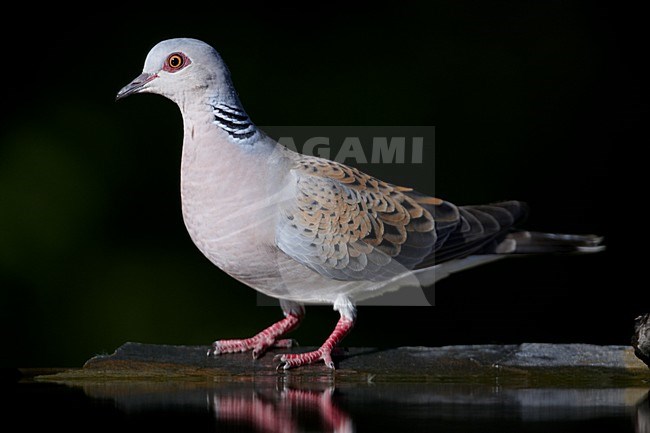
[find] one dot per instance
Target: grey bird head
(181, 68)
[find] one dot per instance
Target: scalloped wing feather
(348, 225)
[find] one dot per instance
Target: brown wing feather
(355, 224)
(348, 225)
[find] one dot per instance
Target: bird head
(177, 67)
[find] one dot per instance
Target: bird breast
(228, 204)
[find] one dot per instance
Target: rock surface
(527, 364)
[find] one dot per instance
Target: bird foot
(291, 360)
(324, 353)
(259, 345)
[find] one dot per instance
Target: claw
(281, 367)
(215, 350)
(260, 349)
(327, 359)
(283, 362)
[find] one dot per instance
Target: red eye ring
(175, 62)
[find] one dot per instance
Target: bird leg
(269, 337)
(323, 353)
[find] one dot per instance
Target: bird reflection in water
(283, 411)
(308, 404)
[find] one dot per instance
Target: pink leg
(324, 353)
(265, 339)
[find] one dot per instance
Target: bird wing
(481, 229)
(348, 225)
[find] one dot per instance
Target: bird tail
(527, 242)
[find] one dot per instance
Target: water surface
(279, 406)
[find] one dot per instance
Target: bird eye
(175, 61)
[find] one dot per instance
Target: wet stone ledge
(528, 364)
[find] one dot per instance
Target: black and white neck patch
(234, 121)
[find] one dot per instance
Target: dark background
(538, 101)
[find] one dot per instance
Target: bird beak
(135, 86)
